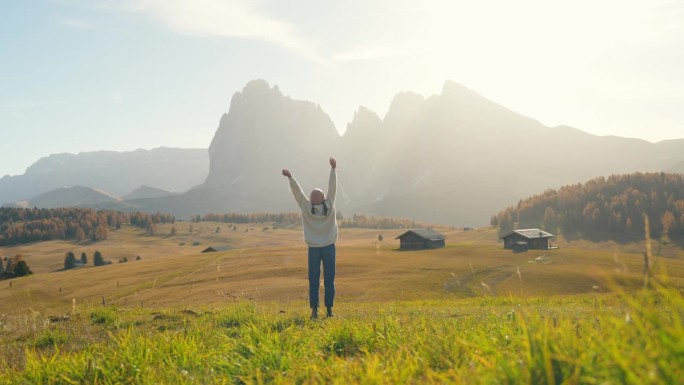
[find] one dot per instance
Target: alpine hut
(420, 239)
(527, 239)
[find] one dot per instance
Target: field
(468, 313)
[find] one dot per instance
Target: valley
(268, 263)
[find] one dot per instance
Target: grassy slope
(271, 265)
(468, 313)
(585, 339)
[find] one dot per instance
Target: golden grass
(270, 265)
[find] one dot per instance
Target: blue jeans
(326, 255)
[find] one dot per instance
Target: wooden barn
(214, 249)
(420, 239)
(527, 239)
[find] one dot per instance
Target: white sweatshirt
(319, 230)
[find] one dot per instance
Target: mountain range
(453, 158)
(115, 173)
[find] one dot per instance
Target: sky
(119, 75)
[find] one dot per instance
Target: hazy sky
(79, 75)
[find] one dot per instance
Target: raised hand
(287, 173)
(333, 162)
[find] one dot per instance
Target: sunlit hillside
(267, 263)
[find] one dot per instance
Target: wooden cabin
(214, 249)
(421, 239)
(527, 239)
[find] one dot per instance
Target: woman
(320, 234)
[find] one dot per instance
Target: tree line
(356, 220)
(604, 208)
(20, 225)
(371, 222)
(26, 225)
(262, 217)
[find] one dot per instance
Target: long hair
(325, 209)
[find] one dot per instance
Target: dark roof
(213, 249)
(425, 234)
(530, 233)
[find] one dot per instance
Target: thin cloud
(224, 19)
(77, 23)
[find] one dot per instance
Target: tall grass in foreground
(607, 339)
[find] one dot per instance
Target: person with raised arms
(320, 234)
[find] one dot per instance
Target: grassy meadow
(468, 313)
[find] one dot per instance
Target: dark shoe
(329, 313)
(314, 313)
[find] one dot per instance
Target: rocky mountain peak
(263, 132)
(452, 89)
(404, 108)
(256, 92)
(364, 121)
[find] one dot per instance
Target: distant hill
(76, 196)
(171, 169)
(143, 192)
(605, 208)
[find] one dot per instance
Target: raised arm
(332, 182)
(297, 192)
